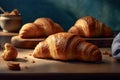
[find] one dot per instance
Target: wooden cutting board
(25, 43)
(31, 43)
(100, 42)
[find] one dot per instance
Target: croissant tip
(34, 55)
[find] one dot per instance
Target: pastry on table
(32, 33)
(14, 66)
(89, 27)
(41, 27)
(10, 53)
(66, 46)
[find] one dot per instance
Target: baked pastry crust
(10, 52)
(14, 66)
(41, 27)
(90, 27)
(67, 46)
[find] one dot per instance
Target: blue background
(66, 12)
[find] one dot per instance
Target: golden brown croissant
(90, 27)
(42, 27)
(67, 46)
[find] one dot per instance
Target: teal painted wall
(66, 12)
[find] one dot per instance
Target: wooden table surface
(41, 67)
(108, 65)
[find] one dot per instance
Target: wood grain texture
(25, 43)
(100, 42)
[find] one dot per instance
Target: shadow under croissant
(21, 60)
(73, 61)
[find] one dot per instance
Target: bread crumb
(25, 57)
(30, 54)
(33, 61)
(107, 53)
(13, 66)
(26, 67)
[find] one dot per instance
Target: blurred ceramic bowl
(10, 23)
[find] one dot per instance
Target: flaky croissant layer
(41, 27)
(90, 27)
(67, 46)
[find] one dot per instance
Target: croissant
(66, 46)
(41, 27)
(90, 27)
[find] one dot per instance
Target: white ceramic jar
(10, 23)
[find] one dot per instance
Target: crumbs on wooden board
(107, 53)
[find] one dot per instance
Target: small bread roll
(10, 52)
